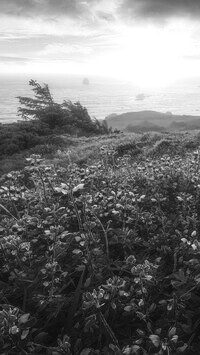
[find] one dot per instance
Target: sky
(149, 42)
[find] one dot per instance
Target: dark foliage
(43, 117)
(101, 259)
(72, 118)
(19, 136)
(144, 127)
(129, 147)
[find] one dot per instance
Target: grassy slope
(100, 243)
(64, 149)
(152, 117)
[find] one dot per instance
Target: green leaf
(128, 308)
(24, 318)
(181, 349)
(172, 332)
(24, 334)
(76, 251)
(155, 340)
(174, 338)
(85, 351)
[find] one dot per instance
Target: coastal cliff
(153, 118)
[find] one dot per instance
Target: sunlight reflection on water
(103, 97)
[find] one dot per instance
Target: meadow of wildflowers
(103, 257)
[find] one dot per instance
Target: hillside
(165, 120)
(100, 250)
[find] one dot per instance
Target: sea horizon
(102, 96)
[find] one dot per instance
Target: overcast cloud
(160, 9)
(42, 7)
(78, 8)
(99, 33)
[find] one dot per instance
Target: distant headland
(152, 120)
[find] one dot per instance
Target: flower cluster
(107, 253)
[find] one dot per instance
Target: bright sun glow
(153, 57)
(149, 58)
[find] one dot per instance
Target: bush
(17, 137)
(164, 146)
(72, 118)
(99, 260)
(129, 147)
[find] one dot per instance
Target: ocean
(102, 96)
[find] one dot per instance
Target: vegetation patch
(44, 120)
(101, 258)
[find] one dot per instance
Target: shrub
(163, 146)
(129, 147)
(100, 259)
(103, 263)
(73, 118)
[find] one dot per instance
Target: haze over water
(102, 96)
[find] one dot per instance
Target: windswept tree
(79, 117)
(33, 107)
(42, 107)
(72, 117)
